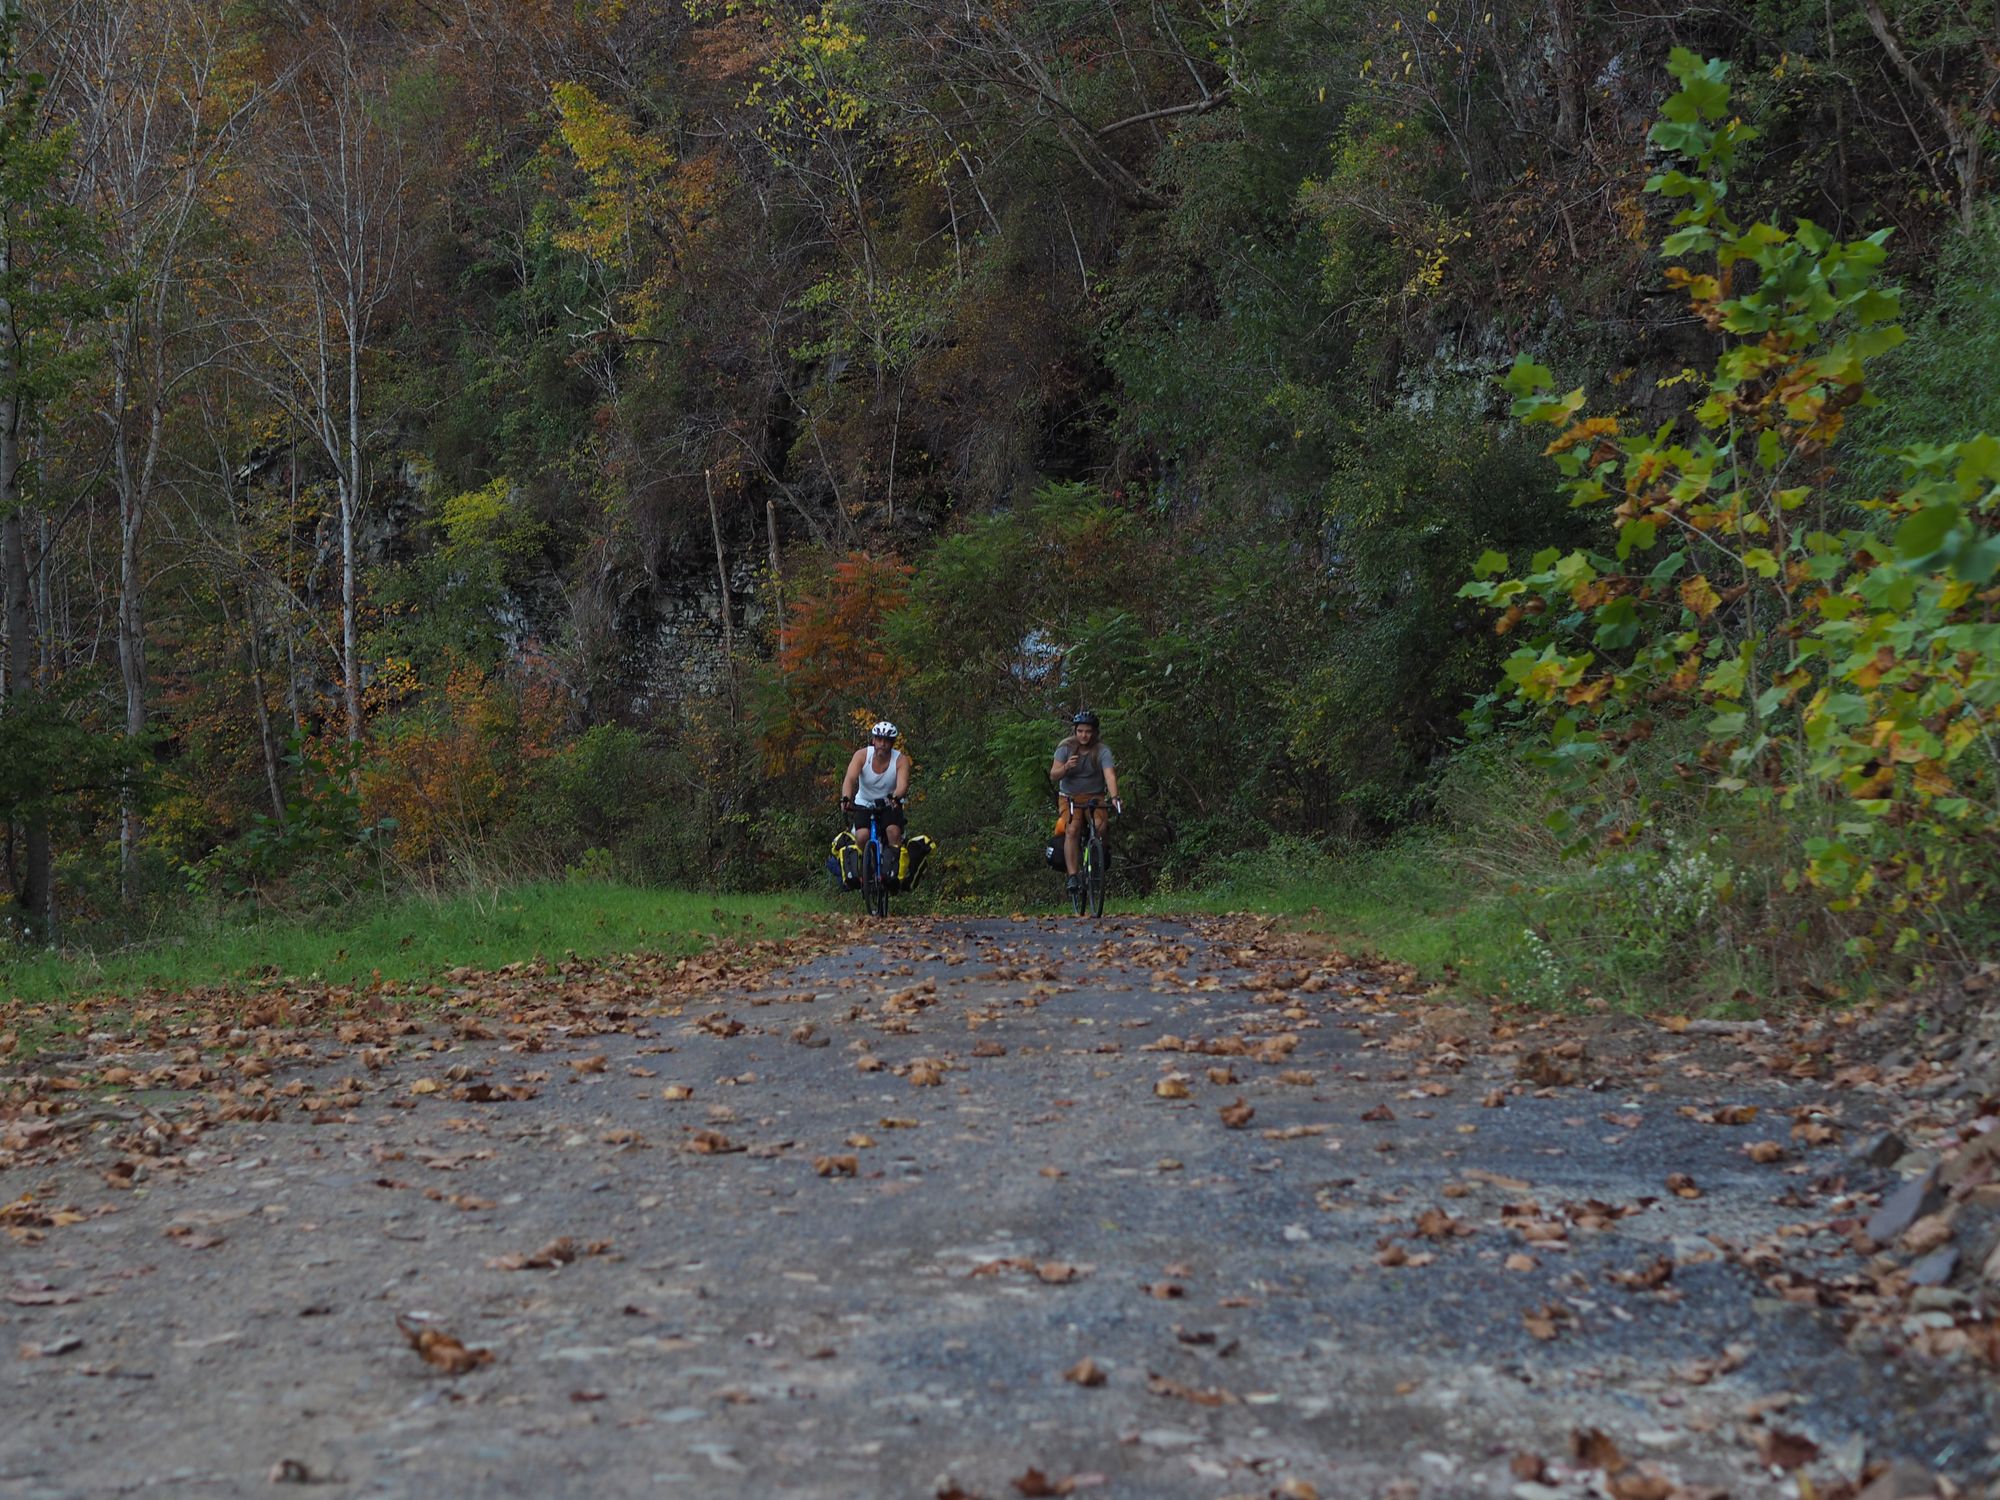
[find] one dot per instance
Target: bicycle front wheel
(1094, 878)
(875, 885)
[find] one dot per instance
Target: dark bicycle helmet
(1085, 716)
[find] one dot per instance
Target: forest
(1547, 444)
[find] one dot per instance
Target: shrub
(1843, 680)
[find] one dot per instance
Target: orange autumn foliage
(832, 660)
(450, 772)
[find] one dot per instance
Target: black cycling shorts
(888, 817)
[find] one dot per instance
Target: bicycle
(877, 862)
(1093, 857)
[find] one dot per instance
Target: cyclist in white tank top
(877, 781)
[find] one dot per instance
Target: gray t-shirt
(1088, 779)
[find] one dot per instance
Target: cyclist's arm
(851, 782)
(1111, 782)
(1058, 768)
(902, 777)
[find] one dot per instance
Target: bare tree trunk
(777, 572)
(721, 574)
(350, 500)
(266, 740)
(1567, 17)
(130, 625)
(1964, 129)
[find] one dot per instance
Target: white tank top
(876, 789)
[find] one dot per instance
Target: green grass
(412, 939)
(1410, 903)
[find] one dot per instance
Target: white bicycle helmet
(883, 727)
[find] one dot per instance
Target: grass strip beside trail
(407, 941)
(1408, 903)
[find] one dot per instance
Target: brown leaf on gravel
(1391, 1253)
(1086, 1372)
(1060, 1272)
(594, 1064)
(1237, 1115)
(1298, 1133)
(557, 1252)
(1379, 1113)
(464, 1201)
(1702, 1371)
(1528, 1466)
(1519, 1262)
(441, 1351)
(676, 1091)
(1545, 1070)
(1764, 1152)
(1298, 1076)
(926, 1073)
(1654, 1276)
(1927, 1234)
(190, 1238)
(67, 1343)
(1221, 1077)
(1784, 1450)
(1545, 1322)
(1495, 1099)
(711, 1143)
(1173, 1086)
(1682, 1186)
(1593, 1450)
(1648, 1484)
(1065, 1486)
(1160, 1385)
(1165, 1291)
(837, 1166)
(1436, 1224)
(988, 1049)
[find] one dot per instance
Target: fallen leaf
(837, 1166)
(1085, 1371)
(1785, 1450)
(1593, 1450)
(1682, 1186)
(557, 1252)
(1927, 1234)
(441, 1351)
(1237, 1115)
(67, 1343)
(1173, 1086)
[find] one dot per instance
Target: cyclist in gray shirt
(1084, 772)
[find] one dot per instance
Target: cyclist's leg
(1073, 841)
